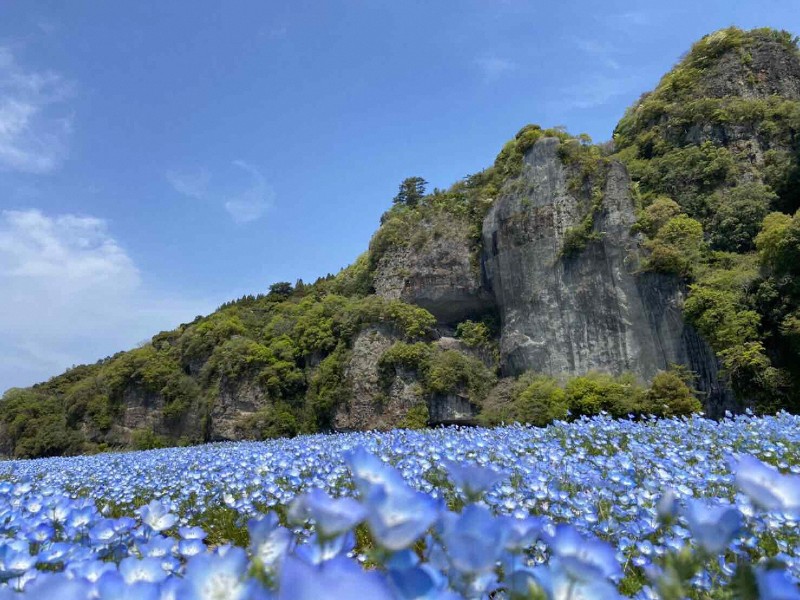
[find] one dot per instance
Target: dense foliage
(540, 399)
(291, 345)
(597, 509)
(714, 149)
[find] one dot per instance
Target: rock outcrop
(436, 270)
(567, 315)
(370, 405)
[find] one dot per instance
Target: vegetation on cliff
(715, 153)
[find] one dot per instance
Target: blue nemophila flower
(338, 578)
(269, 541)
(667, 506)
(317, 550)
(91, 570)
(103, 532)
(191, 547)
(584, 558)
(55, 553)
(474, 539)
(766, 487)
(331, 516)
(192, 533)
(558, 583)
(775, 585)
(612, 494)
(15, 562)
(420, 583)
(157, 516)
(56, 585)
(472, 479)
(369, 470)
(216, 576)
(135, 569)
(521, 533)
(713, 526)
(41, 533)
(112, 586)
(397, 516)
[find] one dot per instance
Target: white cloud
(254, 201)
(189, 183)
(493, 67)
(597, 90)
(34, 127)
(631, 18)
(71, 294)
(251, 202)
(600, 51)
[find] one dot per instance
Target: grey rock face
(591, 311)
(370, 406)
(145, 410)
(236, 401)
(772, 69)
(451, 409)
(434, 270)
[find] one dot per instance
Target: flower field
(597, 508)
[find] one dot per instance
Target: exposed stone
(770, 69)
(370, 406)
(145, 410)
(451, 409)
(565, 316)
(234, 404)
(435, 270)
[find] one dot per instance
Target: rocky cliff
(568, 313)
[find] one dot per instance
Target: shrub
(329, 388)
(670, 396)
(595, 392)
(474, 335)
(656, 215)
(451, 372)
(540, 401)
(36, 425)
(147, 439)
(269, 422)
(417, 417)
(198, 341)
(410, 357)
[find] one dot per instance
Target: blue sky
(158, 158)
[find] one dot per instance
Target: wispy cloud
(252, 201)
(632, 17)
(71, 294)
(189, 183)
(601, 52)
(598, 90)
(34, 126)
(494, 67)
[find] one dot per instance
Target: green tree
(738, 215)
(677, 246)
(411, 191)
(280, 291)
(660, 210)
